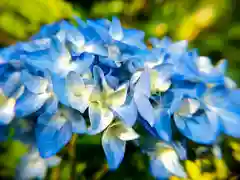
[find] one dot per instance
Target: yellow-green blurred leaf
(193, 170)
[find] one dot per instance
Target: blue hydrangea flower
(98, 77)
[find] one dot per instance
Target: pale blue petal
(234, 96)
(100, 80)
(213, 77)
(114, 150)
(144, 107)
(12, 84)
(230, 83)
(82, 65)
(53, 132)
(59, 89)
(39, 60)
(134, 37)
(127, 113)
(99, 118)
(78, 94)
(181, 149)
(29, 103)
(170, 161)
(230, 117)
(61, 59)
(109, 62)
(95, 48)
(163, 43)
(176, 51)
(158, 170)
(101, 31)
(192, 127)
(51, 105)
(165, 70)
(112, 81)
(79, 125)
(35, 84)
(222, 66)
(76, 39)
(116, 30)
(143, 84)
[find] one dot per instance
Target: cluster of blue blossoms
(98, 77)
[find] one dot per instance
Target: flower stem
(98, 175)
(55, 174)
(72, 156)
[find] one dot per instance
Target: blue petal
(202, 128)
(144, 107)
(35, 84)
(112, 81)
(114, 149)
(12, 84)
(234, 96)
(76, 39)
(170, 161)
(181, 149)
(39, 60)
(102, 31)
(163, 43)
(59, 89)
(135, 38)
(143, 84)
(82, 65)
(51, 105)
(165, 70)
(116, 30)
(158, 170)
(222, 66)
(79, 125)
(163, 125)
(29, 103)
(127, 113)
(176, 50)
(53, 132)
(230, 117)
(95, 48)
(213, 77)
(100, 80)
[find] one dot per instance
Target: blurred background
(212, 26)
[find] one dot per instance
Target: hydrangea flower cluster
(98, 77)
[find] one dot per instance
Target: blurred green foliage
(21, 18)
(212, 26)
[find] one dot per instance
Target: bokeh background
(212, 26)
